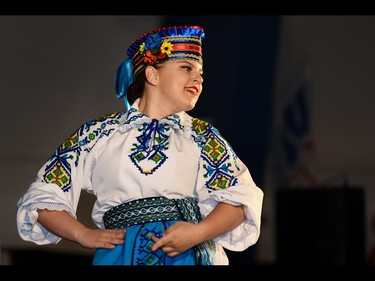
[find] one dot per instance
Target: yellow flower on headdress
(166, 47)
(154, 49)
(142, 48)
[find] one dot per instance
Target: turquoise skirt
(149, 217)
(137, 248)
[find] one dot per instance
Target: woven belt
(142, 211)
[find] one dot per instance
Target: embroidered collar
(135, 116)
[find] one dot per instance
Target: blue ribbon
(124, 77)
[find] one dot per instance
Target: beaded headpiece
(162, 44)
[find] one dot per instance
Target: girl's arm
(184, 235)
(64, 225)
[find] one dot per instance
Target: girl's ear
(151, 75)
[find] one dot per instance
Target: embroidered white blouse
(126, 156)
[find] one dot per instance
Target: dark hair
(136, 88)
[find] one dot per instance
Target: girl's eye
(186, 67)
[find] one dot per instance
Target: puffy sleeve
(59, 182)
(224, 178)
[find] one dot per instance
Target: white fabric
(99, 163)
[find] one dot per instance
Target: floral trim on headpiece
(177, 42)
(154, 49)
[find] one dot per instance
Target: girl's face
(179, 85)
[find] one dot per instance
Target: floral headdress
(177, 42)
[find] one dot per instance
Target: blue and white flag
(292, 150)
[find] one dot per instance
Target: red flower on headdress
(149, 58)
